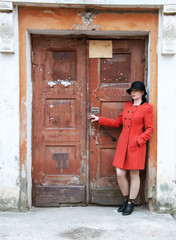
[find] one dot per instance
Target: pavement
(84, 223)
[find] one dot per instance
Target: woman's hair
(143, 99)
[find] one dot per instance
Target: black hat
(137, 85)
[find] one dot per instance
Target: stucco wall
(166, 157)
(98, 2)
(9, 127)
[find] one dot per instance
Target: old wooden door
(59, 121)
(109, 78)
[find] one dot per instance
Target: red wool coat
(137, 128)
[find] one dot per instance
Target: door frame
(26, 28)
(144, 22)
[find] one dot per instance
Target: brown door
(59, 121)
(109, 78)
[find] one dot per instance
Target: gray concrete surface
(84, 223)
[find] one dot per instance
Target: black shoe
(123, 206)
(129, 209)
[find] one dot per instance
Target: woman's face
(136, 94)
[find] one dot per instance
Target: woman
(137, 121)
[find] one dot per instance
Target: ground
(84, 223)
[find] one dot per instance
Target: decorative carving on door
(61, 160)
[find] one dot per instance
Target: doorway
(63, 172)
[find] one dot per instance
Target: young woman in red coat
(137, 121)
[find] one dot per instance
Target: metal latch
(107, 132)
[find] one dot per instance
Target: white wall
(166, 159)
(98, 2)
(9, 127)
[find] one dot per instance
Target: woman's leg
(135, 183)
(122, 181)
(134, 189)
(124, 187)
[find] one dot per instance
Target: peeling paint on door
(59, 141)
(65, 83)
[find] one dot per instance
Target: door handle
(95, 110)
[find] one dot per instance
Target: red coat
(137, 128)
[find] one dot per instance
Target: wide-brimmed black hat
(137, 85)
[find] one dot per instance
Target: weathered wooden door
(59, 120)
(109, 78)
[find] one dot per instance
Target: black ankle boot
(123, 206)
(129, 209)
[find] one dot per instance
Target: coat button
(124, 125)
(132, 112)
(128, 126)
(127, 111)
(130, 118)
(130, 105)
(125, 118)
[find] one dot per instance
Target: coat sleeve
(107, 122)
(148, 125)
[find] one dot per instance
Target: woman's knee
(120, 173)
(134, 173)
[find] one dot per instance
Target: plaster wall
(166, 157)
(9, 126)
(9, 119)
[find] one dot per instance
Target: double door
(72, 159)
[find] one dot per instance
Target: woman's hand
(93, 118)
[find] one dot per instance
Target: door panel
(108, 79)
(59, 121)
